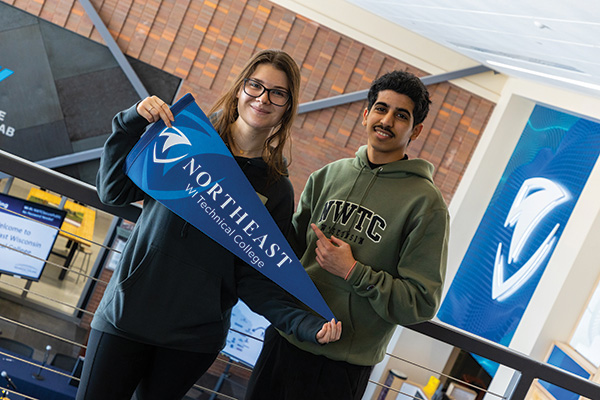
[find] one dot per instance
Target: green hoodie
(396, 222)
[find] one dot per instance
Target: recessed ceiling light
(541, 25)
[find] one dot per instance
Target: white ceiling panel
(554, 41)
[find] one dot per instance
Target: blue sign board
(521, 226)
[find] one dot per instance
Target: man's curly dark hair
(407, 84)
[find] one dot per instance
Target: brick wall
(207, 42)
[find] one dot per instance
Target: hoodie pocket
(166, 296)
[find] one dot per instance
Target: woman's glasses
(277, 97)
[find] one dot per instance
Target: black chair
(77, 372)
(64, 362)
(16, 347)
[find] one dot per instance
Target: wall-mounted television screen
(27, 234)
(245, 347)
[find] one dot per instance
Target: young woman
(165, 313)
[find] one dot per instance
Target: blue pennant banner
(190, 171)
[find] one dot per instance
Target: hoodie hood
(396, 169)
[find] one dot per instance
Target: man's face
(389, 125)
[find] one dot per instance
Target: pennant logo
(536, 198)
(190, 171)
(174, 137)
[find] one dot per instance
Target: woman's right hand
(153, 108)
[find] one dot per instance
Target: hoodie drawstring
(354, 184)
(365, 193)
(371, 182)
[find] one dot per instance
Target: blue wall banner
(189, 170)
(521, 226)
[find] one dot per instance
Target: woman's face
(259, 113)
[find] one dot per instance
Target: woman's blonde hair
(226, 106)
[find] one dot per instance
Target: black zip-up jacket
(174, 286)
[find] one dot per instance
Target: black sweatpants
(284, 372)
(115, 367)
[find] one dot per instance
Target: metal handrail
(527, 369)
(60, 183)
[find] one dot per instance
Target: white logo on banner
(174, 137)
(535, 199)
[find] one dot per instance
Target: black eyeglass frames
(277, 97)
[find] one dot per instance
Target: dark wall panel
(11, 18)
(64, 89)
(88, 101)
(71, 55)
(39, 142)
(28, 96)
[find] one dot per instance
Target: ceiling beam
(362, 94)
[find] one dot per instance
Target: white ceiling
(553, 41)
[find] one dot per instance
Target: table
(53, 387)
(77, 226)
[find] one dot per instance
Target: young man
(372, 233)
